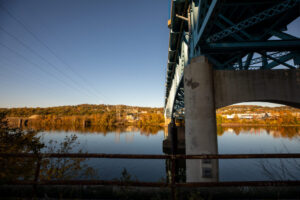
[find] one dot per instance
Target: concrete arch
(274, 86)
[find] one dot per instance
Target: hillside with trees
(258, 115)
(87, 115)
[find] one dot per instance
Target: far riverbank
(257, 125)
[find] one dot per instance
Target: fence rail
(156, 184)
(151, 156)
(173, 184)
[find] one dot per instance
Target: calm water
(230, 141)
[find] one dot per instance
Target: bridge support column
(200, 120)
(167, 121)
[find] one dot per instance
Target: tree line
(87, 115)
(285, 119)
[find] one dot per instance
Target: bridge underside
(232, 35)
(222, 52)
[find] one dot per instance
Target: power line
(50, 50)
(41, 57)
(41, 69)
(38, 67)
(8, 65)
(21, 74)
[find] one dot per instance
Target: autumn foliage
(87, 115)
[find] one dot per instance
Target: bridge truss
(233, 35)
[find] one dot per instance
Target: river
(231, 140)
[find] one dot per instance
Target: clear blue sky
(67, 52)
(112, 52)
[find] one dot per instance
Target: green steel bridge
(232, 35)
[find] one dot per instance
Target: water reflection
(239, 140)
(14, 140)
(180, 165)
(205, 170)
(155, 140)
(126, 140)
(144, 130)
(65, 168)
(128, 131)
(276, 132)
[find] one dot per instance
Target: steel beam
(250, 46)
(278, 61)
(281, 60)
(232, 24)
(249, 58)
(266, 14)
(206, 19)
(282, 35)
(234, 35)
(252, 61)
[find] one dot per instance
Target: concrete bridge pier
(200, 120)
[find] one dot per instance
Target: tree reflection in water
(290, 132)
(144, 130)
(14, 140)
(26, 140)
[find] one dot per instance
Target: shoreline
(257, 125)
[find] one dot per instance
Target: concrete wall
(278, 86)
(200, 120)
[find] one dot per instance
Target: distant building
(34, 117)
(228, 116)
(296, 114)
(248, 115)
(264, 115)
(130, 117)
(245, 116)
(134, 110)
(240, 116)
